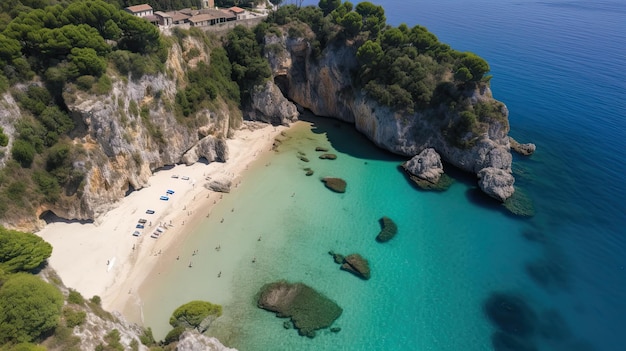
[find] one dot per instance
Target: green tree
(191, 314)
(87, 62)
(29, 307)
(373, 17)
(22, 251)
(10, 49)
(328, 6)
(370, 53)
(476, 65)
(4, 139)
(352, 23)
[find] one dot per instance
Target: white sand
(108, 261)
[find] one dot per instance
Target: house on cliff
(142, 10)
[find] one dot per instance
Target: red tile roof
(139, 8)
(236, 9)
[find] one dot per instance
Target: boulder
(356, 265)
(426, 165)
(496, 183)
(522, 149)
(337, 185)
(221, 185)
(308, 309)
(328, 156)
(388, 230)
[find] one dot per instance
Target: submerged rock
(339, 258)
(337, 185)
(522, 149)
(309, 172)
(308, 309)
(388, 230)
(511, 314)
(303, 158)
(328, 157)
(322, 149)
(496, 183)
(356, 265)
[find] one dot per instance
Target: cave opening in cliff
(203, 160)
(49, 216)
(283, 84)
(130, 189)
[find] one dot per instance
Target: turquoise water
(558, 67)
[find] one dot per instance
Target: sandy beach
(105, 259)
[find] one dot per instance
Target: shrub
(73, 317)
(4, 139)
(23, 152)
(85, 82)
(75, 297)
(95, 300)
(174, 335)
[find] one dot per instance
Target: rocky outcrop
(526, 149)
(324, 86)
(308, 309)
(193, 341)
(356, 265)
(388, 229)
(426, 165)
(496, 183)
(271, 106)
(221, 185)
(210, 148)
(337, 185)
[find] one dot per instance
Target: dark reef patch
(511, 314)
(308, 309)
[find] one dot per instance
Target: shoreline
(105, 259)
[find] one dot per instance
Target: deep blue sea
(559, 67)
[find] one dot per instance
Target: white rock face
(496, 183)
(324, 86)
(270, 105)
(427, 165)
(194, 341)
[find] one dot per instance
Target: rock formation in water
(526, 149)
(353, 263)
(388, 230)
(308, 309)
(337, 185)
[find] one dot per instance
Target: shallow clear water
(558, 67)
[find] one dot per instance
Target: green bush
(96, 300)
(74, 317)
(48, 186)
(174, 335)
(75, 297)
(4, 139)
(25, 346)
(85, 82)
(29, 307)
(23, 152)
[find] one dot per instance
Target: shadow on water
(346, 139)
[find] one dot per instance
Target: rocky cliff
(325, 86)
(125, 135)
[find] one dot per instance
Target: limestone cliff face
(324, 85)
(127, 134)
